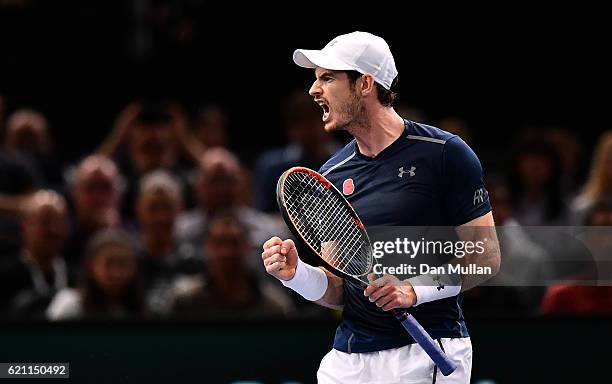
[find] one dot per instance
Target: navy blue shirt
(440, 177)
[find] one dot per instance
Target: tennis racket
(328, 226)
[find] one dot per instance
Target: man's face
(96, 197)
(27, 131)
(226, 244)
(113, 268)
(157, 212)
(45, 229)
(218, 187)
(152, 147)
(334, 92)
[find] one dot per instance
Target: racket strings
(326, 224)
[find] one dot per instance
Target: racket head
(306, 200)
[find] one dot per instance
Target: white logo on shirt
(410, 172)
(479, 196)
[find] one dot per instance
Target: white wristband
(308, 281)
(427, 289)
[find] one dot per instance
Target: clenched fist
(280, 258)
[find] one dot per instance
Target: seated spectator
(109, 288)
(309, 146)
(573, 298)
(27, 132)
(211, 127)
(18, 180)
(161, 256)
(153, 135)
(569, 145)
(230, 287)
(535, 184)
(599, 184)
(95, 199)
(218, 189)
(31, 278)
(525, 263)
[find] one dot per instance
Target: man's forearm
(490, 257)
(334, 294)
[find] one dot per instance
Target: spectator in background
(109, 288)
(599, 184)
(162, 258)
(154, 135)
(517, 288)
(218, 189)
(27, 132)
(18, 180)
(535, 184)
(569, 148)
(211, 127)
(309, 146)
(31, 278)
(95, 199)
(230, 288)
(571, 298)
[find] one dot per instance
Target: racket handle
(420, 335)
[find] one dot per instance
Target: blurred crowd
(164, 220)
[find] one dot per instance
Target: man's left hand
(388, 292)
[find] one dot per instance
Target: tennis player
(395, 172)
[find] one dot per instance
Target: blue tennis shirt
(427, 177)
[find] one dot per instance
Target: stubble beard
(352, 116)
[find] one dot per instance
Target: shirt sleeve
(466, 196)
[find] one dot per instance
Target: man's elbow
(495, 262)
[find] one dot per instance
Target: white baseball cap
(358, 51)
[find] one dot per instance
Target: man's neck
(382, 127)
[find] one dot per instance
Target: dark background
(500, 70)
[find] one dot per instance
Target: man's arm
(281, 260)
(389, 293)
(121, 128)
(481, 229)
(334, 294)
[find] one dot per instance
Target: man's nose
(315, 89)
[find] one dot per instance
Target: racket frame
(296, 233)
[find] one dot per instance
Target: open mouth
(326, 110)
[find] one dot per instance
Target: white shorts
(407, 365)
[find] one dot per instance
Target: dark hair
(385, 96)
(552, 189)
(227, 217)
(153, 113)
(94, 299)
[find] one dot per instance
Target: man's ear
(367, 85)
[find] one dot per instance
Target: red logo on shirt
(348, 187)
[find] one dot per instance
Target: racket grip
(420, 335)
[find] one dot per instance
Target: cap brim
(308, 58)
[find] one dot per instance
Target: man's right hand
(280, 258)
